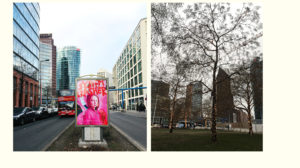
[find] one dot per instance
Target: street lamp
(41, 79)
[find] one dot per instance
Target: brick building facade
(29, 89)
(225, 106)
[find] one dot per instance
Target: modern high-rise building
(67, 67)
(193, 102)
(47, 38)
(131, 68)
(256, 72)
(46, 71)
(160, 102)
(225, 106)
(26, 20)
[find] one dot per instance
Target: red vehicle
(66, 102)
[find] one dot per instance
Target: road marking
(132, 141)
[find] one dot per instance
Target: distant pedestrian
(142, 107)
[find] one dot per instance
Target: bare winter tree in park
(243, 92)
(210, 36)
(171, 71)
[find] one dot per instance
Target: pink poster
(91, 103)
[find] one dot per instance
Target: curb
(132, 141)
(55, 138)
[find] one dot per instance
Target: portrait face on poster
(91, 100)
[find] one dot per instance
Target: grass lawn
(199, 140)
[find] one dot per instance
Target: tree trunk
(171, 123)
(250, 123)
(214, 110)
(249, 109)
(185, 118)
(173, 109)
(214, 102)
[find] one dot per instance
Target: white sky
(100, 30)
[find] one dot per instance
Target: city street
(133, 125)
(36, 135)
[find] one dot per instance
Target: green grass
(199, 140)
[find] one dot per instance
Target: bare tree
(166, 60)
(47, 91)
(243, 93)
(214, 37)
(206, 36)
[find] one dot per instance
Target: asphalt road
(36, 135)
(133, 126)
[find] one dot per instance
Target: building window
(130, 53)
(31, 95)
(20, 92)
(136, 92)
(131, 63)
(135, 80)
(140, 78)
(140, 66)
(141, 90)
(131, 82)
(133, 49)
(131, 72)
(36, 95)
(15, 90)
(26, 94)
(134, 59)
(135, 70)
(139, 55)
(138, 43)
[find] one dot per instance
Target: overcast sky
(100, 30)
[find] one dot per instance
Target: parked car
(23, 115)
(55, 110)
(41, 112)
(52, 111)
(181, 124)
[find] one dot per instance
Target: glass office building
(26, 30)
(68, 67)
(46, 70)
(47, 39)
(130, 71)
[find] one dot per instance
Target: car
(165, 125)
(181, 124)
(55, 110)
(23, 115)
(52, 111)
(41, 112)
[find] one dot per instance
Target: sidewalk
(141, 114)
